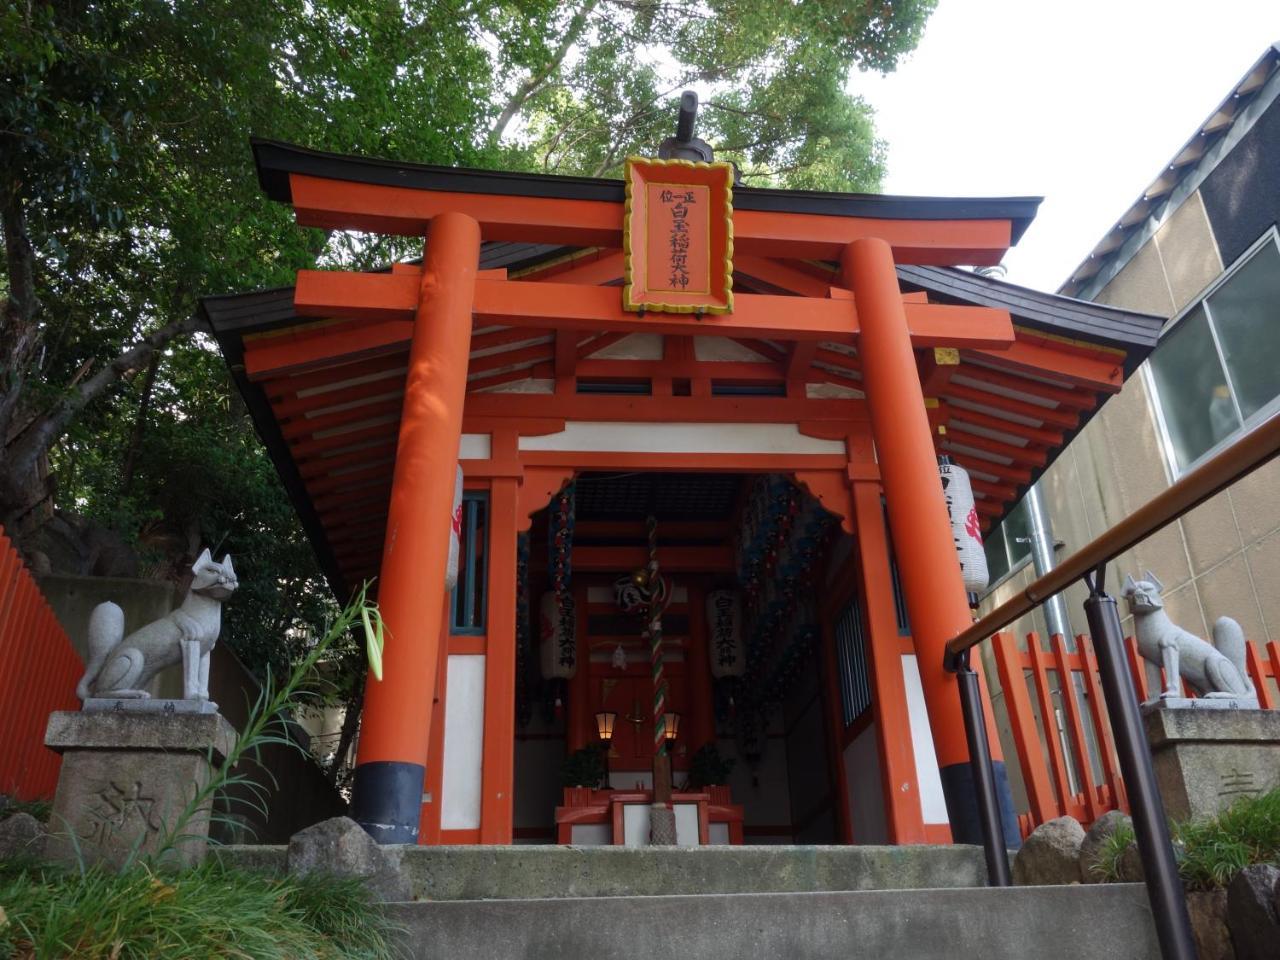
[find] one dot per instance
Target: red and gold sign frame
(677, 236)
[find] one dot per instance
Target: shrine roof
(1008, 415)
(276, 161)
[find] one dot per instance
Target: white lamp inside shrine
(671, 726)
(604, 724)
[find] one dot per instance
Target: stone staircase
(799, 903)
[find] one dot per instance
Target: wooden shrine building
(749, 388)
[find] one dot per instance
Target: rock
(1131, 869)
(1251, 912)
(21, 835)
(1051, 855)
(1096, 839)
(1209, 925)
(339, 846)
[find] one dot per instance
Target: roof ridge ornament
(684, 145)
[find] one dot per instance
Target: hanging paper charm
(965, 530)
(724, 615)
(455, 534)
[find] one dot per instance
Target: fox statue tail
(1229, 639)
(106, 629)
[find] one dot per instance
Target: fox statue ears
(207, 558)
(1131, 588)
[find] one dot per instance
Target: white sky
(1081, 102)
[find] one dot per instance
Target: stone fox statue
(120, 666)
(1215, 670)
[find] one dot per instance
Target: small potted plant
(583, 771)
(709, 771)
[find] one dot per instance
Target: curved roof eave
(276, 160)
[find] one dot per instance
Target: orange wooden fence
(38, 673)
(1069, 764)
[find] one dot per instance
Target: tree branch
(537, 82)
(21, 457)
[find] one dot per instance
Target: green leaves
(371, 618)
(125, 128)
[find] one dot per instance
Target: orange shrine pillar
(927, 564)
(396, 728)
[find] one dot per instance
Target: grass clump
(41, 809)
(208, 912)
(1211, 851)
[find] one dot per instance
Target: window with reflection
(1216, 371)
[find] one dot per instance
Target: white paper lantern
(455, 535)
(724, 629)
(965, 529)
(558, 651)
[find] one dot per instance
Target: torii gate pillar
(396, 728)
(930, 573)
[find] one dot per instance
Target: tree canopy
(127, 191)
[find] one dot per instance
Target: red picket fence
(1069, 766)
(38, 673)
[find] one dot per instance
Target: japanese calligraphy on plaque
(678, 236)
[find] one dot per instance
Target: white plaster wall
(475, 446)
(463, 743)
(862, 776)
(933, 805)
(622, 437)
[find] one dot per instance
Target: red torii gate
(778, 236)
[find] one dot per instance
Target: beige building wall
(1223, 558)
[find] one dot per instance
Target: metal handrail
(1215, 475)
(1160, 870)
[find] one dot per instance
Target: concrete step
(539, 872)
(1045, 923)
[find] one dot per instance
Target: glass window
(851, 658)
(469, 594)
(1246, 315)
(1008, 544)
(1216, 370)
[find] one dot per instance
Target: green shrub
(1213, 850)
(709, 768)
(40, 809)
(207, 912)
(583, 768)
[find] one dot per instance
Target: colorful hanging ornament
(965, 529)
(524, 658)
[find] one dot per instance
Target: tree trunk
(350, 726)
(139, 424)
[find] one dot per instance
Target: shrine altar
(621, 817)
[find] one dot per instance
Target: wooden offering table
(621, 817)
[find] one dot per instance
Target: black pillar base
(387, 800)
(962, 804)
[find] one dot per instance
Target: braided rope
(655, 642)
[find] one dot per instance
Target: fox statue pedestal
(1205, 759)
(126, 778)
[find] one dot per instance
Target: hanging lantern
(724, 622)
(558, 651)
(455, 534)
(965, 530)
